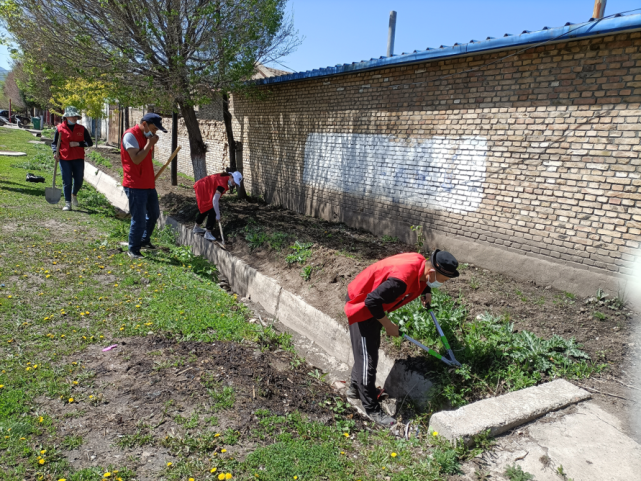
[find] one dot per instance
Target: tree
(168, 53)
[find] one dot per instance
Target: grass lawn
(68, 290)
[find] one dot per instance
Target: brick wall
(537, 154)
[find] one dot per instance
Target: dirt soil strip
(156, 382)
(339, 253)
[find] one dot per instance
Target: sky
(347, 31)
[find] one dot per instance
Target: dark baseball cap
(154, 119)
(444, 263)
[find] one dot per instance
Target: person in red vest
(208, 191)
(384, 287)
(139, 181)
(73, 138)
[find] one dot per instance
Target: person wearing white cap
(208, 191)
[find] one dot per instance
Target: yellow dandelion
(435, 433)
(394, 455)
(216, 435)
(346, 435)
(221, 476)
(75, 383)
(43, 451)
(70, 400)
(223, 450)
(191, 479)
(169, 464)
(228, 476)
(42, 461)
(106, 475)
(41, 419)
(213, 470)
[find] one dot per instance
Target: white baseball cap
(238, 177)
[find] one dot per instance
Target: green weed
(96, 158)
(306, 273)
(42, 161)
(491, 353)
(388, 239)
(516, 473)
(277, 240)
(302, 252)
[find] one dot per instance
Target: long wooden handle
(168, 162)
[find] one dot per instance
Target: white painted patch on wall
(443, 173)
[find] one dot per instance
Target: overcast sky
(345, 31)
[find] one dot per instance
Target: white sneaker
(67, 206)
(74, 200)
(198, 230)
(209, 236)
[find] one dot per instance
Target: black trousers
(366, 339)
(211, 219)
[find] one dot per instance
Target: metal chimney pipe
(599, 8)
(392, 33)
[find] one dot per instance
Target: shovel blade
(52, 195)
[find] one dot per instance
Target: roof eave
(590, 29)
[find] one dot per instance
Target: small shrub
(388, 239)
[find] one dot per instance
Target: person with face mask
(139, 183)
(208, 191)
(384, 287)
(73, 139)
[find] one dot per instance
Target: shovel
(51, 193)
(222, 238)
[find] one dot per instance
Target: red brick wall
(560, 125)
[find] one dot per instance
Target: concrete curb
(107, 185)
(285, 306)
(505, 412)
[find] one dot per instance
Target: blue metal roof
(569, 31)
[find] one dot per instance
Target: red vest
(139, 176)
(206, 189)
(408, 267)
(66, 136)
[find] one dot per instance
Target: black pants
(366, 339)
(211, 219)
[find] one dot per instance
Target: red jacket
(408, 267)
(206, 189)
(139, 176)
(66, 136)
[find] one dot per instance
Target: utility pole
(599, 8)
(392, 33)
(174, 146)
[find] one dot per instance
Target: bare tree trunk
(126, 118)
(196, 144)
(230, 133)
(232, 144)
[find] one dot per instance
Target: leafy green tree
(169, 53)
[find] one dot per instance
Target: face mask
(149, 134)
(436, 284)
(71, 122)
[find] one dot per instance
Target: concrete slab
(505, 412)
(587, 441)
(9, 153)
